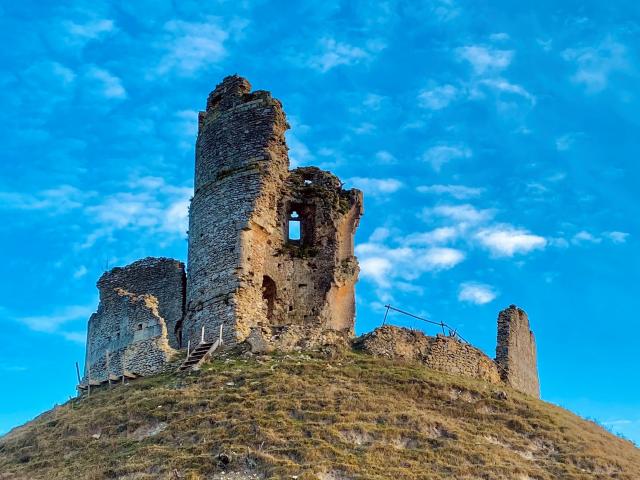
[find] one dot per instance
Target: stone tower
(516, 351)
(270, 250)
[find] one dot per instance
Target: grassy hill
(302, 417)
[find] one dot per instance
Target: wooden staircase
(199, 354)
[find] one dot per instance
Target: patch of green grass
(357, 417)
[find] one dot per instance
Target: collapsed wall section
(445, 354)
(299, 277)
(126, 335)
(136, 328)
(164, 278)
(516, 351)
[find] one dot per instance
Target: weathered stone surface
(445, 354)
(126, 335)
(245, 272)
(137, 325)
(516, 351)
(164, 278)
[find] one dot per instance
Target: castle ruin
(270, 263)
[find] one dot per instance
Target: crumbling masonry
(270, 263)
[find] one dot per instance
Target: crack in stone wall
(136, 328)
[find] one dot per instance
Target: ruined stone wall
(126, 335)
(244, 272)
(516, 351)
(164, 278)
(449, 355)
(445, 354)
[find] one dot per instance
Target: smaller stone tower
(137, 327)
(516, 351)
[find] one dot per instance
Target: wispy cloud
(485, 59)
(504, 240)
(333, 53)
(376, 186)
(192, 46)
(595, 65)
(105, 84)
(57, 200)
(150, 205)
(56, 322)
(439, 155)
(585, 237)
(459, 192)
(89, 30)
(476, 293)
(438, 97)
(566, 141)
(464, 213)
(392, 262)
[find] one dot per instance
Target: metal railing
(452, 331)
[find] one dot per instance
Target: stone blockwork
(249, 270)
(516, 351)
(164, 278)
(137, 326)
(445, 354)
(126, 335)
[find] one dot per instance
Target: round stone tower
(270, 250)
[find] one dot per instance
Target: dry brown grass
(358, 417)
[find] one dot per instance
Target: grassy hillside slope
(356, 417)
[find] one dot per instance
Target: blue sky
(496, 144)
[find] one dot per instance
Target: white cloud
(152, 205)
(395, 262)
(503, 86)
(505, 240)
(105, 84)
(445, 10)
(148, 204)
(385, 158)
(485, 59)
(334, 53)
(376, 186)
(385, 265)
(476, 293)
(465, 213)
(192, 46)
(77, 337)
(80, 272)
(459, 192)
(186, 124)
(437, 98)
(91, 30)
(617, 237)
(437, 236)
(585, 237)
(299, 153)
(499, 37)
(52, 80)
(595, 65)
(439, 155)
(57, 200)
(52, 323)
(566, 141)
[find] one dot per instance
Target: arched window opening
(269, 293)
(295, 230)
